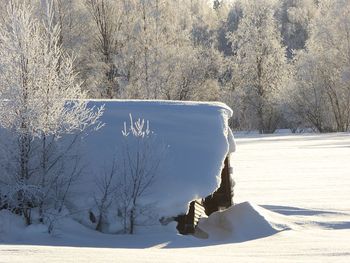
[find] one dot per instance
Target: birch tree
(259, 64)
(39, 96)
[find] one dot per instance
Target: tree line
(277, 63)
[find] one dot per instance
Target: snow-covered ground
(293, 205)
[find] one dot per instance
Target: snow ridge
(243, 222)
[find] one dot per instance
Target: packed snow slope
(292, 205)
(192, 139)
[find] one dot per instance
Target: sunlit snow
(293, 205)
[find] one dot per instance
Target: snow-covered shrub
(107, 186)
(129, 180)
(141, 157)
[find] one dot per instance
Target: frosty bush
(141, 157)
(130, 178)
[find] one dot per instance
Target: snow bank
(197, 139)
(242, 222)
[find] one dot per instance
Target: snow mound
(243, 222)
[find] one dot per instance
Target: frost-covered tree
(147, 50)
(322, 94)
(40, 98)
(295, 17)
(76, 36)
(159, 49)
(230, 25)
(107, 23)
(259, 64)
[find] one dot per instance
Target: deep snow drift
(242, 222)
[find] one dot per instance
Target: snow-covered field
(293, 205)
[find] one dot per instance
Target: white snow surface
(196, 137)
(292, 205)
